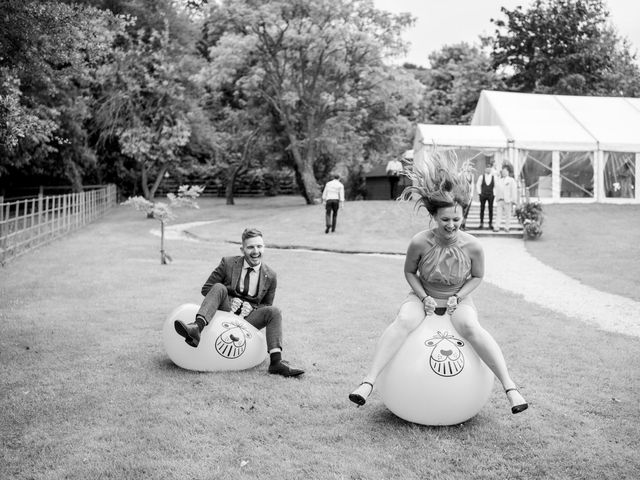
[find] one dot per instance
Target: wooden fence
(32, 222)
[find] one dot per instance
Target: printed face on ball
(446, 358)
(233, 341)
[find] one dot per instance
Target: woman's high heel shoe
(358, 395)
(519, 406)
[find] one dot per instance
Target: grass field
(87, 391)
(596, 244)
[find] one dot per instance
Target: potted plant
(530, 215)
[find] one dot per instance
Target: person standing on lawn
(243, 285)
(333, 198)
(443, 266)
(506, 198)
(484, 187)
(393, 170)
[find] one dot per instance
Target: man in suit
(485, 188)
(506, 197)
(243, 285)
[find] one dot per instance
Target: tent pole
(637, 185)
(598, 171)
(556, 181)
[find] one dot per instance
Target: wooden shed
(378, 187)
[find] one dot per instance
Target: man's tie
(245, 287)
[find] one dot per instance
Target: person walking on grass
(243, 285)
(333, 198)
(443, 266)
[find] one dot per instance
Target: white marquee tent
(569, 148)
(563, 148)
(481, 144)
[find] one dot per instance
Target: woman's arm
(411, 262)
(476, 254)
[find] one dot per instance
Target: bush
(530, 215)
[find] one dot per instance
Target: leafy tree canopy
(565, 47)
(314, 63)
(48, 55)
(457, 76)
(146, 105)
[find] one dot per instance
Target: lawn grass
(87, 391)
(594, 243)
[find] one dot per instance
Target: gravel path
(512, 268)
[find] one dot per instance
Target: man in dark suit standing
(243, 285)
(485, 188)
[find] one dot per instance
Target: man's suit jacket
(228, 273)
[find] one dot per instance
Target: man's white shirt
(333, 190)
(253, 278)
(506, 189)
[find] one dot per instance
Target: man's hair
(250, 233)
(336, 176)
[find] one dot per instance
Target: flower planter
(530, 215)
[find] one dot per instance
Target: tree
(18, 122)
(145, 106)
(565, 47)
(457, 76)
(310, 61)
(238, 126)
(50, 53)
(176, 16)
(383, 126)
(163, 212)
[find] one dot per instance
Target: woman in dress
(443, 266)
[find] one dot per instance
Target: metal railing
(29, 223)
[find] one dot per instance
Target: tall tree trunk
(158, 181)
(300, 184)
(144, 181)
(234, 170)
(232, 173)
(73, 174)
(304, 173)
(150, 193)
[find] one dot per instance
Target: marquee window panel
(619, 174)
(576, 174)
(536, 172)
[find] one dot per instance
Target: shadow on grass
(165, 364)
(382, 417)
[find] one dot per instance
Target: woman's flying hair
(438, 181)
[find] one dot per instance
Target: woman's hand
(429, 305)
(452, 304)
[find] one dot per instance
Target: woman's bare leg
(465, 321)
(409, 316)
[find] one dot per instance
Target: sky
(445, 22)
